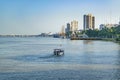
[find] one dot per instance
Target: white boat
(58, 52)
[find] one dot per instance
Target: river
(31, 58)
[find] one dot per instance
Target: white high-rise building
(74, 26)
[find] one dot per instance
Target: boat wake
(46, 56)
(34, 58)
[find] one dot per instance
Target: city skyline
(38, 16)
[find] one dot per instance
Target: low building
(107, 26)
(82, 36)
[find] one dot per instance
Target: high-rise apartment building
(68, 28)
(63, 30)
(74, 26)
(89, 22)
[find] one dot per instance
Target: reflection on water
(32, 59)
(87, 42)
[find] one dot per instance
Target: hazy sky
(37, 16)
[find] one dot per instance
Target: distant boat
(63, 37)
(58, 52)
(56, 36)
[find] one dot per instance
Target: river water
(32, 58)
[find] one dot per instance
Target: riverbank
(103, 39)
(76, 38)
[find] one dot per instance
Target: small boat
(58, 52)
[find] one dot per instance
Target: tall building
(68, 28)
(74, 26)
(89, 22)
(62, 31)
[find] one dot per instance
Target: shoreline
(102, 39)
(76, 38)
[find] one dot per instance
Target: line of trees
(113, 32)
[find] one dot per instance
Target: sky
(27, 17)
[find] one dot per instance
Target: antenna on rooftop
(119, 20)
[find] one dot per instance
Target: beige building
(89, 22)
(74, 26)
(62, 33)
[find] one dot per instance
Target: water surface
(32, 59)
